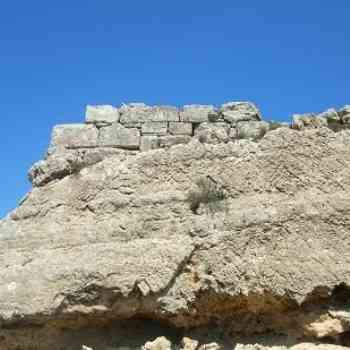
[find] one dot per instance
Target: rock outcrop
(200, 228)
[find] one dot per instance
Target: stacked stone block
(140, 127)
(335, 120)
(135, 127)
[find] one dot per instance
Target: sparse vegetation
(337, 126)
(208, 191)
(274, 125)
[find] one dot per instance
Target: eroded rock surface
(218, 239)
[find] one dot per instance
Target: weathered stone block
(346, 118)
(330, 115)
(161, 343)
(135, 114)
(142, 114)
(344, 114)
(165, 113)
(171, 140)
(215, 116)
(189, 344)
(155, 128)
(309, 120)
(234, 112)
(101, 115)
(133, 105)
(61, 164)
(212, 132)
(73, 136)
(344, 110)
(117, 135)
(180, 128)
(196, 113)
(232, 134)
(149, 142)
(253, 130)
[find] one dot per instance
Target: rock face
(140, 233)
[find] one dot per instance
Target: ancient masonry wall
(137, 127)
(141, 127)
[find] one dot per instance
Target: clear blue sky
(58, 56)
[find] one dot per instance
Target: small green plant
(274, 125)
(337, 126)
(208, 191)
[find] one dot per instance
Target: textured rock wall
(226, 239)
(138, 127)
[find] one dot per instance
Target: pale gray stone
(232, 134)
(73, 136)
(149, 143)
(101, 114)
(62, 164)
(210, 346)
(133, 105)
(344, 110)
(84, 347)
(117, 241)
(212, 132)
(165, 113)
(144, 114)
(308, 120)
(154, 128)
(135, 114)
(253, 130)
(180, 128)
(330, 115)
(171, 140)
(312, 346)
(189, 344)
(234, 112)
(345, 118)
(196, 113)
(117, 135)
(215, 116)
(160, 343)
(344, 114)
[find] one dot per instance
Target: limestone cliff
(201, 222)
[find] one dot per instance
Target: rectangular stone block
(135, 116)
(171, 140)
(196, 113)
(143, 114)
(165, 114)
(154, 128)
(117, 135)
(253, 130)
(234, 112)
(180, 128)
(101, 115)
(73, 136)
(148, 143)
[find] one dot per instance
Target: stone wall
(137, 127)
(140, 127)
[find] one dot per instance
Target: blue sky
(56, 57)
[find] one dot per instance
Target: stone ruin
(137, 127)
(202, 228)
